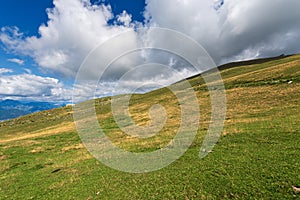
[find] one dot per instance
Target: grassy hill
(257, 157)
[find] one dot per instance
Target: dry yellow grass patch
(269, 72)
(246, 120)
(242, 105)
(53, 130)
(231, 131)
(254, 99)
(58, 184)
(23, 143)
(140, 112)
(37, 150)
(75, 147)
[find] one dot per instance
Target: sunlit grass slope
(257, 157)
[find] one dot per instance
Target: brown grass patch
(3, 157)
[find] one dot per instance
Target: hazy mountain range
(10, 109)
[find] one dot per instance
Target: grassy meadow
(257, 156)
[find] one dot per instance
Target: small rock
(296, 189)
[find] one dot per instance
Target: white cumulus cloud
(124, 18)
(16, 60)
(30, 86)
(5, 70)
(73, 29)
(232, 29)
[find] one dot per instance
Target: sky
(44, 43)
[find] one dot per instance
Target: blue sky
(28, 19)
(30, 14)
(27, 15)
(42, 65)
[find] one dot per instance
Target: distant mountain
(10, 109)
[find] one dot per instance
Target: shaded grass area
(256, 158)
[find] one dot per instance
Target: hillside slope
(41, 156)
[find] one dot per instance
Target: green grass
(256, 158)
